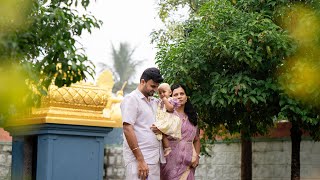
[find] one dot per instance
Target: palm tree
(124, 67)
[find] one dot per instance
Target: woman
(184, 157)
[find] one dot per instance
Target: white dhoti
(133, 174)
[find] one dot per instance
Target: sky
(123, 21)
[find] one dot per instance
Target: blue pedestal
(57, 152)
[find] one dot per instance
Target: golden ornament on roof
(80, 104)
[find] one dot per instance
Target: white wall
(271, 161)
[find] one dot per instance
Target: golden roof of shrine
(82, 103)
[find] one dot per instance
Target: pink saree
(178, 162)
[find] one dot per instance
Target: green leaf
(253, 99)
(222, 102)
(223, 90)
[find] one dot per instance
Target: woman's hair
(188, 108)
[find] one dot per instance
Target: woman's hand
(196, 162)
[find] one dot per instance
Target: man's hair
(152, 74)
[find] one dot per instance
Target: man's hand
(155, 129)
(143, 170)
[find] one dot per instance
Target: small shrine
(82, 103)
(64, 138)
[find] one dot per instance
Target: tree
(299, 97)
(124, 67)
(300, 100)
(228, 58)
(288, 65)
(38, 41)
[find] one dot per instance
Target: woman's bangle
(199, 156)
(134, 148)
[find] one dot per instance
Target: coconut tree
(124, 66)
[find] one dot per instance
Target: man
(141, 149)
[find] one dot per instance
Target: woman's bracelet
(134, 149)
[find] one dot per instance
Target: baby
(166, 121)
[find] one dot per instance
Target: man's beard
(150, 93)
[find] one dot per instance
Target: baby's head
(164, 90)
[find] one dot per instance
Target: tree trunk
(296, 134)
(246, 157)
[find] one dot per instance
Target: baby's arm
(169, 107)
